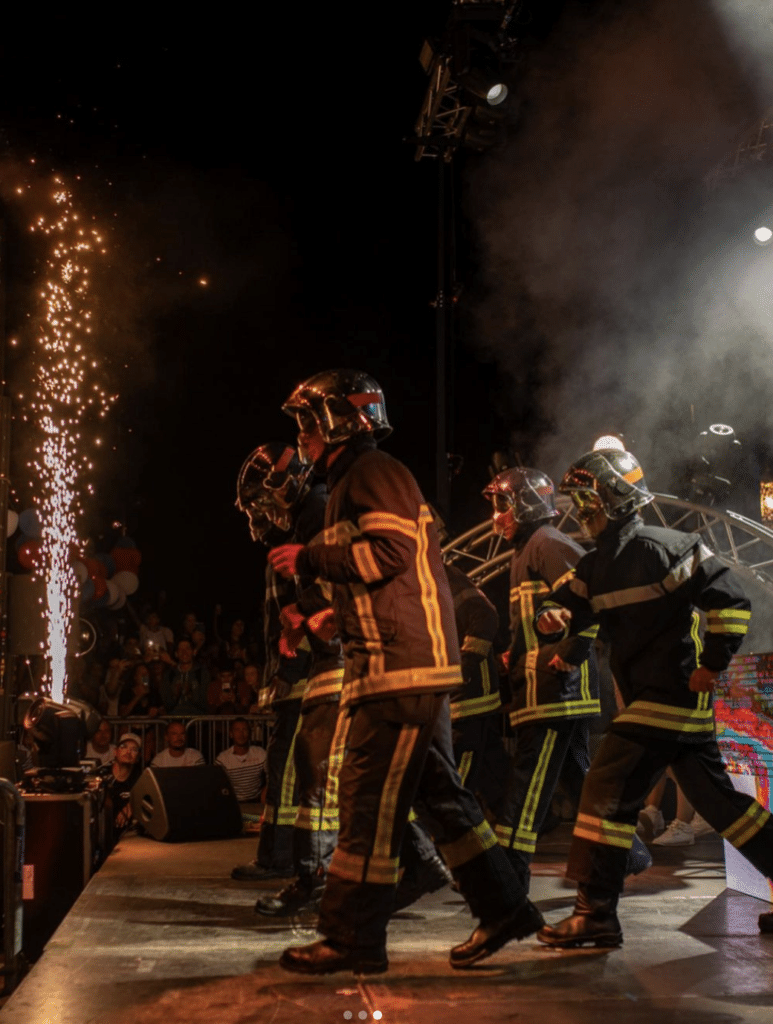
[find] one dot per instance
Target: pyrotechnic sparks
(65, 396)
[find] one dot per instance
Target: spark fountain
(65, 398)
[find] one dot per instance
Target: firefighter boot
(300, 895)
(593, 921)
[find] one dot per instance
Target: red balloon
(29, 554)
(100, 586)
(96, 568)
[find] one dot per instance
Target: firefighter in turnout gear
(395, 615)
(549, 703)
(645, 586)
(273, 477)
(476, 709)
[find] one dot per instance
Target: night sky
(266, 156)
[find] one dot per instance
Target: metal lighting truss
(440, 126)
(737, 541)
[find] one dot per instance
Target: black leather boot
(328, 957)
(298, 896)
(488, 938)
(593, 921)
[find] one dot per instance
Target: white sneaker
(678, 833)
(700, 827)
(650, 817)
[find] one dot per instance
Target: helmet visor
(501, 502)
(587, 503)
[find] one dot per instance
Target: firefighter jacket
(644, 585)
(477, 623)
(541, 559)
(391, 597)
(326, 673)
(285, 678)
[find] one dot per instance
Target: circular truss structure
(736, 540)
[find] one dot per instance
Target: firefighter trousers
(623, 772)
(399, 754)
(480, 755)
(544, 751)
(275, 843)
(319, 751)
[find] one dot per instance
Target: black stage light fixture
(59, 732)
(487, 86)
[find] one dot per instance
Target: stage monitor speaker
(178, 805)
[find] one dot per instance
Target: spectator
(99, 746)
(221, 693)
(234, 648)
(191, 623)
(138, 698)
(247, 689)
(154, 637)
(124, 772)
(184, 688)
(245, 764)
(176, 754)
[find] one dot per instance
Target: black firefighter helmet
(271, 482)
(343, 403)
(528, 493)
(606, 481)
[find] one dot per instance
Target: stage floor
(162, 934)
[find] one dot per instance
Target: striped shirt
(247, 771)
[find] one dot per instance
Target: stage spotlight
(721, 429)
(763, 235)
(608, 443)
(485, 86)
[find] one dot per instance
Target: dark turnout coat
(645, 585)
(393, 605)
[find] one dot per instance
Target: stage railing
(13, 860)
(207, 733)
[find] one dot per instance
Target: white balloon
(113, 593)
(80, 571)
(119, 602)
(127, 581)
(12, 522)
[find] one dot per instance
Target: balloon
(126, 559)
(119, 602)
(29, 554)
(125, 542)
(113, 591)
(29, 523)
(100, 587)
(107, 561)
(101, 601)
(95, 568)
(80, 571)
(12, 522)
(127, 581)
(87, 593)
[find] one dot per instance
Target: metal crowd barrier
(13, 860)
(207, 733)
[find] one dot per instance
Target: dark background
(266, 153)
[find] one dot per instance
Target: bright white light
(763, 235)
(722, 429)
(609, 443)
(496, 94)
